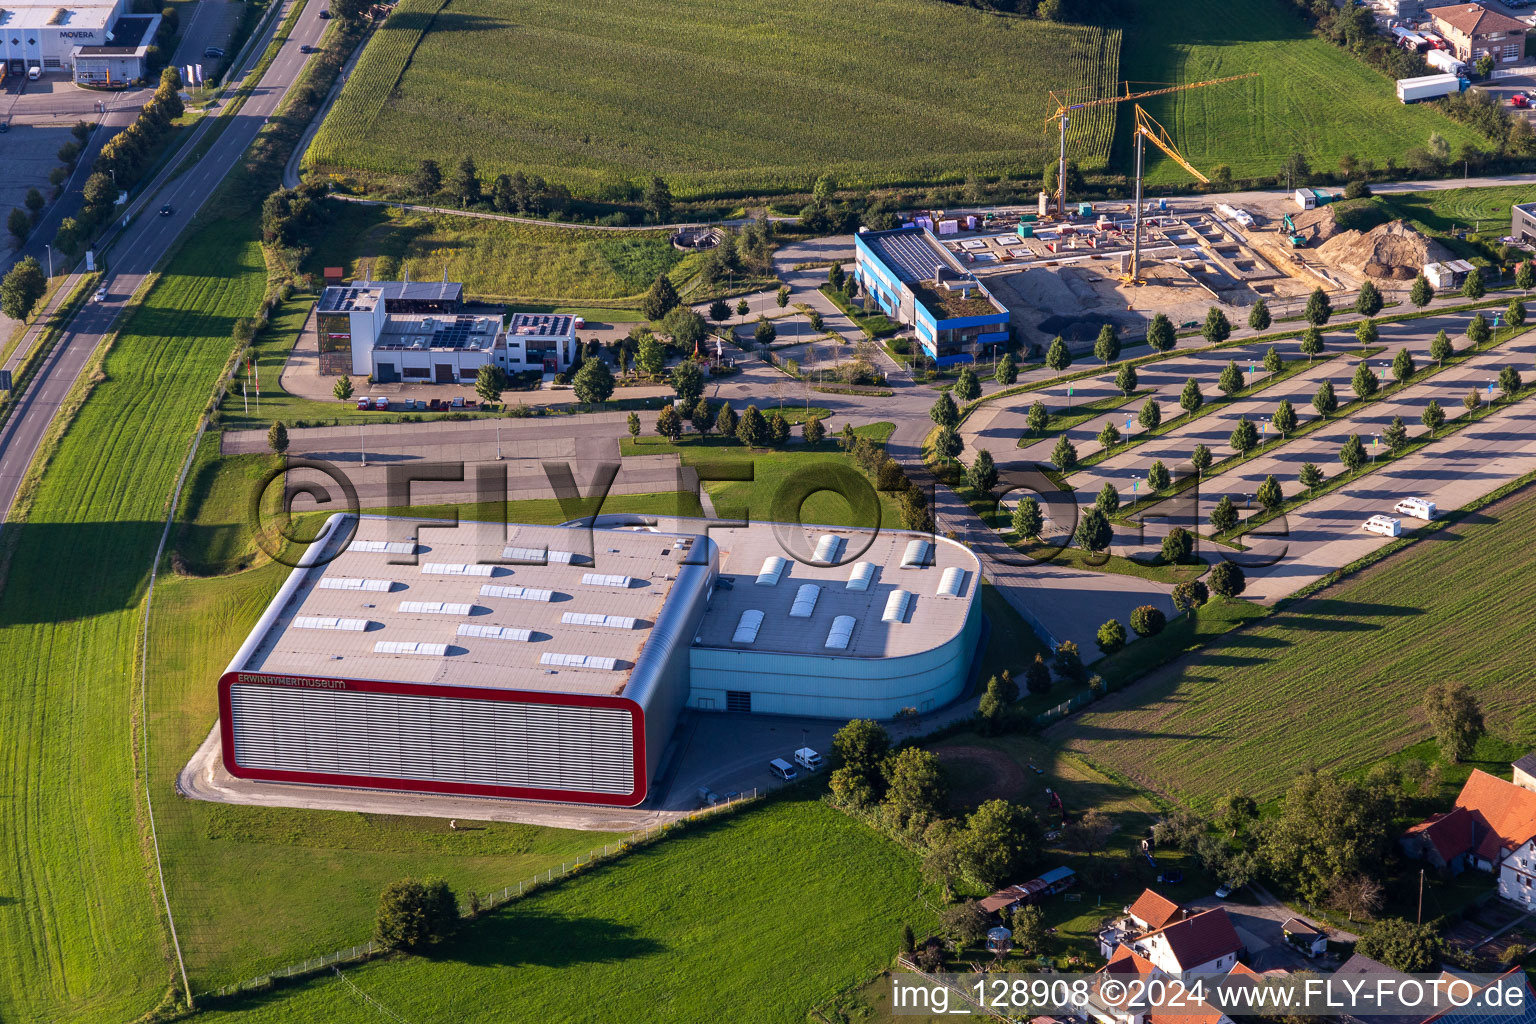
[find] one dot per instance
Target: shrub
(1148, 620)
(1111, 637)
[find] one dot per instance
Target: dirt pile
(1317, 226)
(1394, 251)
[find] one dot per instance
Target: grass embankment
(874, 324)
(798, 899)
(1335, 680)
(756, 98)
(1293, 106)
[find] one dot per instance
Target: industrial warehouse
(101, 43)
(552, 663)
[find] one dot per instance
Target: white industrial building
(551, 663)
(57, 37)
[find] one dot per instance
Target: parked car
(808, 759)
(707, 797)
(1520, 99)
(34, 73)
(783, 769)
(1415, 508)
(1227, 889)
(381, 403)
(1384, 525)
(213, 51)
(364, 402)
(435, 405)
(458, 402)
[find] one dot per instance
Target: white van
(1416, 508)
(808, 759)
(1384, 525)
(34, 73)
(783, 769)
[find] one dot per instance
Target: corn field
(726, 99)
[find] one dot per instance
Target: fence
(488, 901)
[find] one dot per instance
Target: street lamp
(498, 441)
(50, 260)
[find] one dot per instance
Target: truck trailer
(1445, 62)
(1428, 87)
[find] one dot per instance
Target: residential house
(1525, 1013)
(1473, 31)
(1204, 943)
(1153, 911)
(1304, 937)
(1523, 772)
(1127, 964)
(1491, 828)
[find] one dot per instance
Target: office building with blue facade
(916, 282)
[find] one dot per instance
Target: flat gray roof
(428, 604)
(929, 620)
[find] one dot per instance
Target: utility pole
(1421, 896)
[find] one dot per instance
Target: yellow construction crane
(1064, 110)
(1147, 128)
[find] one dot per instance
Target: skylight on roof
(456, 569)
(747, 626)
(329, 622)
(805, 601)
(861, 576)
(840, 633)
(917, 554)
(896, 604)
(773, 568)
(495, 632)
(354, 583)
(517, 593)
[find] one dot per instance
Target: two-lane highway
(140, 248)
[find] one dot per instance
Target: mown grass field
(723, 99)
(1336, 680)
(1311, 97)
(1461, 209)
(500, 259)
(753, 917)
(80, 935)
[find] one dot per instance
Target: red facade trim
(637, 718)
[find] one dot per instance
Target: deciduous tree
(1058, 357)
(1064, 454)
(1157, 477)
(1028, 519)
(1422, 292)
(415, 915)
(1125, 378)
(1178, 546)
(1224, 516)
(1191, 398)
(1319, 310)
(1325, 401)
(1258, 316)
(1284, 418)
(1455, 717)
(1433, 417)
(1093, 531)
(1160, 333)
(1311, 343)
(1227, 579)
(1270, 495)
(1107, 348)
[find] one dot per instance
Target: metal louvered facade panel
(441, 741)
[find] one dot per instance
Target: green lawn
(752, 917)
(1335, 680)
(732, 98)
(1461, 209)
(1310, 97)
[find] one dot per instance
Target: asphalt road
(137, 251)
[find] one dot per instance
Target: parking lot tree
(1111, 636)
(1108, 499)
(1473, 287)
(1178, 546)
(742, 307)
(764, 333)
(650, 357)
(1007, 370)
(1364, 383)
(1311, 476)
(915, 793)
(1191, 398)
(1472, 400)
(851, 287)
(342, 389)
(634, 424)
(1107, 348)
(415, 915)
(967, 387)
(719, 311)
(669, 424)
(1319, 310)
(1270, 494)
(1148, 620)
(1093, 531)
(34, 202)
(464, 185)
(1514, 313)
(1231, 380)
(813, 431)
(1125, 379)
(1227, 579)
(778, 429)
(1366, 332)
(1272, 361)
(1525, 276)
(1064, 455)
(1441, 349)
(490, 382)
(944, 412)
(1069, 663)
(22, 287)
(1402, 365)
(1258, 316)
(1324, 400)
(1368, 302)
(1151, 415)
(426, 180)
(1217, 328)
(1038, 418)
(1455, 716)
(1201, 459)
(277, 438)
(594, 382)
(782, 296)
(947, 444)
(1157, 477)
(1109, 435)
(1311, 343)
(814, 321)
(1510, 382)
(1395, 436)
(726, 420)
(1433, 417)
(658, 199)
(1160, 333)
(659, 299)
(1028, 519)
(1244, 437)
(1352, 454)
(1190, 595)
(1284, 417)
(1422, 292)
(1224, 516)
(835, 276)
(1037, 677)
(752, 431)
(1058, 357)
(982, 474)
(18, 223)
(687, 382)
(701, 416)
